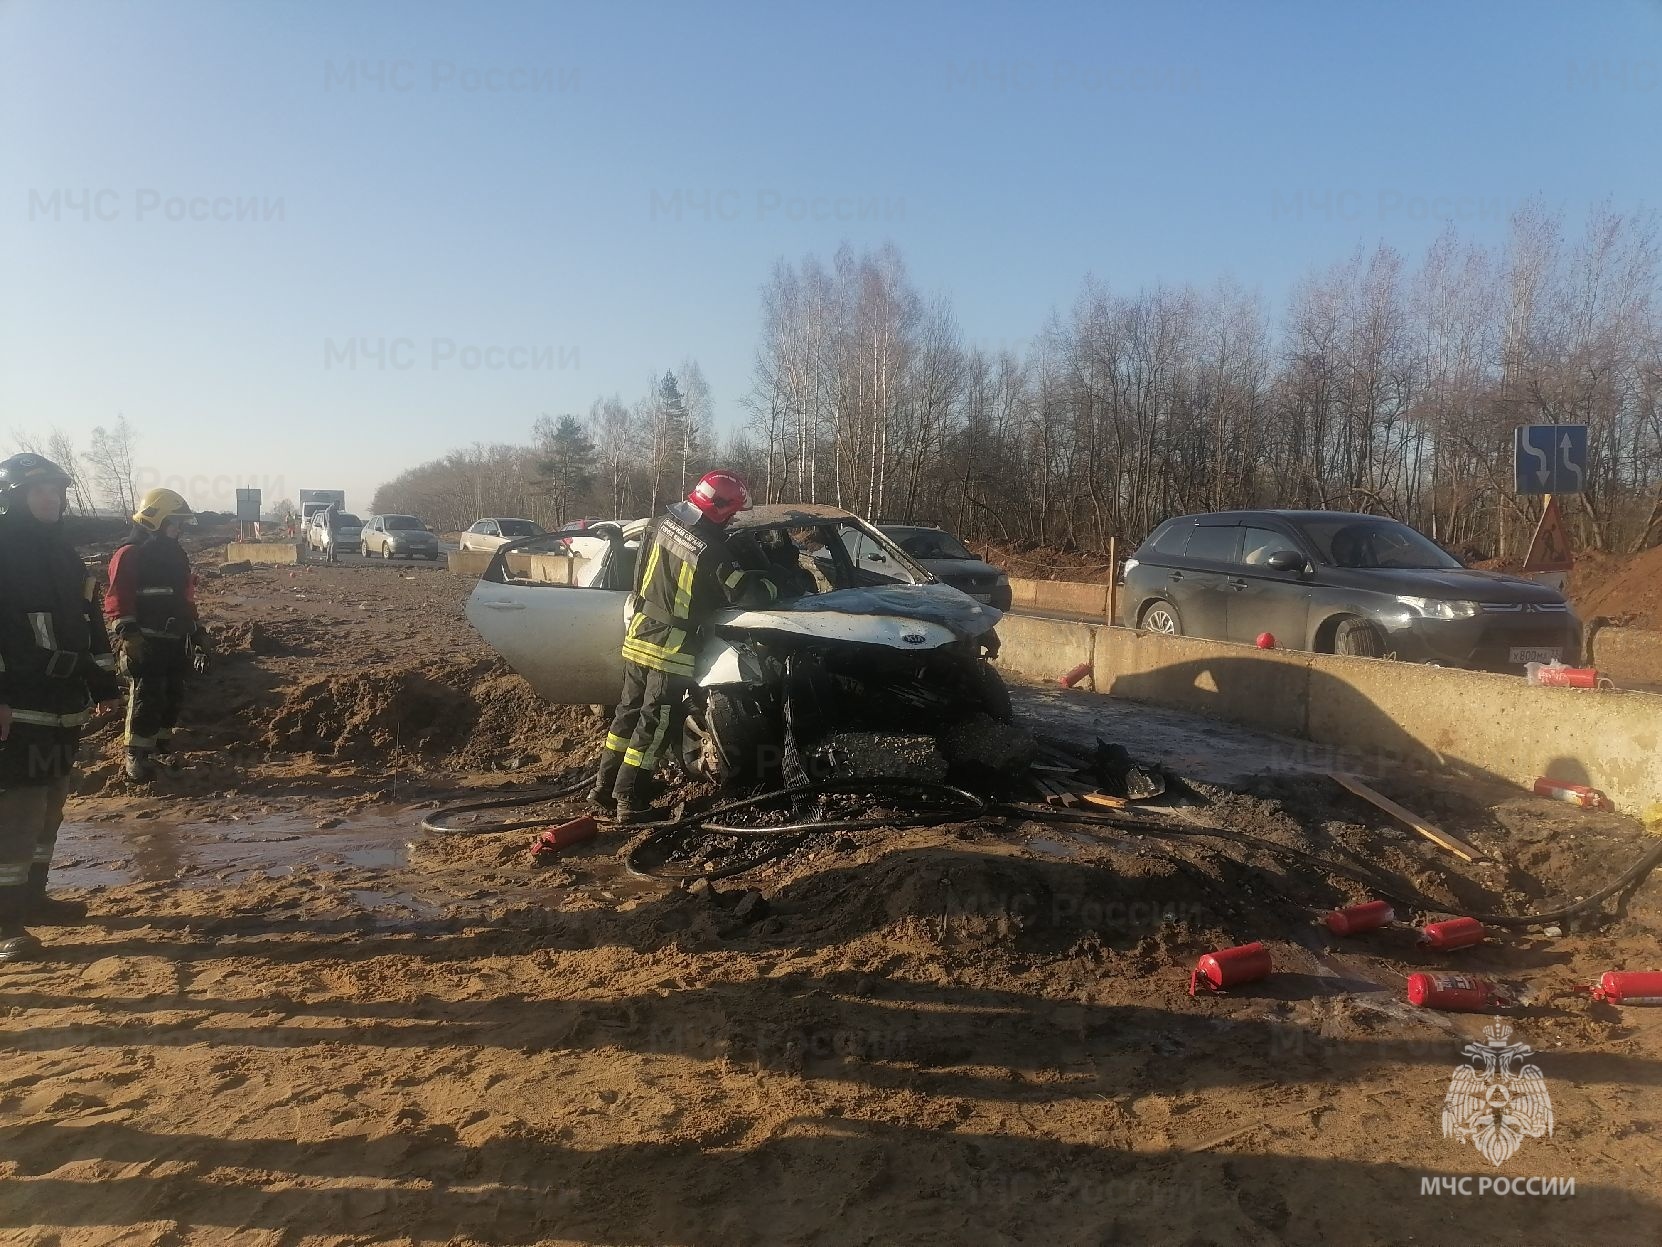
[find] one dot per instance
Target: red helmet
(720, 495)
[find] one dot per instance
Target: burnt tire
(1357, 638)
(991, 693)
(728, 740)
(1162, 617)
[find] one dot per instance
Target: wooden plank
(1103, 801)
(1430, 831)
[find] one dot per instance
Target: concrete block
(1495, 726)
(1043, 649)
(281, 552)
(1023, 592)
(1268, 690)
(468, 562)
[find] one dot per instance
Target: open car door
(552, 606)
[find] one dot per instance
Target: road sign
(1550, 550)
(248, 505)
(1550, 458)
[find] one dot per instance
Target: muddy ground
(293, 1018)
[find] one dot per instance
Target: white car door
(564, 640)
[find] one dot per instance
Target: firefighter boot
(48, 911)
(141, 769)
(16, 944)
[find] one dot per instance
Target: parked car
(948, 561)
(349, 532)
(849, 647)
(399, 537)
(1339, 583)
(491, 534)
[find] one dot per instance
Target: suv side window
(1170, 537)
(1213, 545)
(1257, 544)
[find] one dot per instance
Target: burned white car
(853, 671)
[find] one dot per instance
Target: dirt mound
(1626, 588)
(355, 716)
(950, 898)
(475, 715)
(1031, 561)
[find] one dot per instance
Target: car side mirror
(1285, 561)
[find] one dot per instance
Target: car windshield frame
(1412, 545)
(414, 525)
(345, 519)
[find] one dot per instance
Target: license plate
(1535, 653)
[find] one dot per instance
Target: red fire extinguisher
(553, 839)
(1575, 794)
(1629, 987)
(1230, 967)
(1357, 919)
(1445, 937)
(1458, 993)
(1075, 675)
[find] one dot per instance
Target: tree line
(1390, 384)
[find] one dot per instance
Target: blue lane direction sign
(1550, 459)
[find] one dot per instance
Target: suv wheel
(1358, 638)
(1161, 616)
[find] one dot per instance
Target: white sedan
(490, 534)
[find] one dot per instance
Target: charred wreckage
(867, 666)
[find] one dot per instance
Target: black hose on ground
(961, 804)
(436, 821)
(958, 804)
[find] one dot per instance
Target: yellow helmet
(159, 506)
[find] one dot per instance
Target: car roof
(1285, 515)
(796, 514)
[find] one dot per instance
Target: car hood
(410, 534)
(944, 569)
(901, 617)
(1446, 584)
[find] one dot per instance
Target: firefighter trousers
(156, 693)
(647, 722)
(29, 819)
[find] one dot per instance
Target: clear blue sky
(1008, 150)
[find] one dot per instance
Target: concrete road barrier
(1059, 597)
(1375, 716)
(468, 562)
(282, 552)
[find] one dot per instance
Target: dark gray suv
(1340, 583)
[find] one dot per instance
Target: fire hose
(933, 803)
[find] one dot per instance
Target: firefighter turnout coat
(686, 573)
(55, 660)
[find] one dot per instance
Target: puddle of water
(1052, 848)
(203, 854)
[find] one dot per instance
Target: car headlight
(1434, 608)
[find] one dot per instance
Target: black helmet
(27, 469)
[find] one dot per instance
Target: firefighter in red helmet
(684, 573)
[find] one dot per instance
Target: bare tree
(110, 459)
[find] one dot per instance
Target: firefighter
(684, 574)
(151, 608)
(55, 673)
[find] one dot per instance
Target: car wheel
(1161, 616)
(991, 693)
(1358, 638)
(723, 740)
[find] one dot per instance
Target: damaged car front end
(854, 672)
